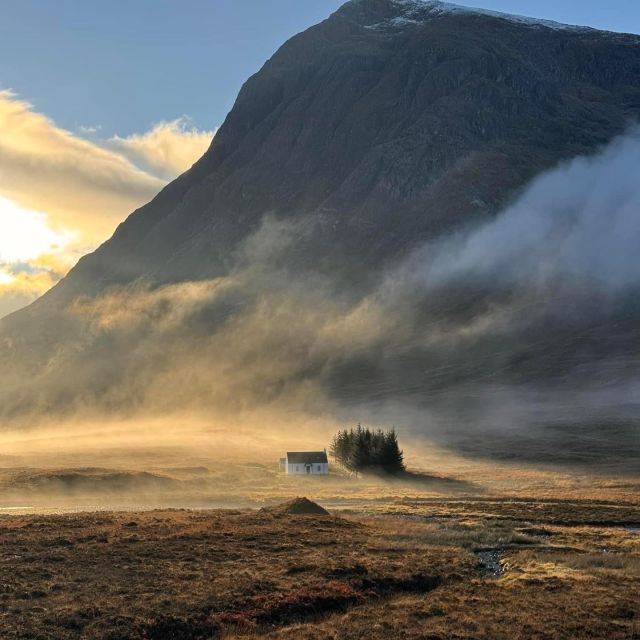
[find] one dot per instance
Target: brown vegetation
(420, 572)
(298, 507)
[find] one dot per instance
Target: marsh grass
(398, 557)
(191, 575)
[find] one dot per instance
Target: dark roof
(306, 457)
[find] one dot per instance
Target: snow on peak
(417, 11)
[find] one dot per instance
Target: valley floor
(438, 568)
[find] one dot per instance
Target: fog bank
(517, 338)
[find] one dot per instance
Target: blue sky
(126, 64)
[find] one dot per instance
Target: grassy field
(118, 545)
(114, 479)
(438, 568)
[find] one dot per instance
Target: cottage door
(308, 468)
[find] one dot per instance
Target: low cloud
(578, 222)
(80, 185)
(19, 288)
(515, 338)
(168, 149)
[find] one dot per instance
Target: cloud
(167, 149)
(26, 234)
(579, 222)
(81, 186)
(89, 129)
(33, 255)
(61, 189)
(19, 288)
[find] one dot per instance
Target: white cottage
(305, 463)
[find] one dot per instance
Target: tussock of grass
(602, 561)
(297, 507)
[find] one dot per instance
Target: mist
(578, 222)
(517, 338)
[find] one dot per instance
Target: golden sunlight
(5, 277)
(27, 235)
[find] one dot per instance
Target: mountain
(392, 125)
(389, 123)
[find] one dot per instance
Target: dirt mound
(298, 507)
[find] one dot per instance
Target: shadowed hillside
(364, 237)
(385, 133)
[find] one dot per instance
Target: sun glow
(5, 277)
(26, 235)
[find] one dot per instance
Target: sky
(102, 103)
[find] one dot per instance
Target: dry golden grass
(251, 484)
(411, 569)
(475, 550)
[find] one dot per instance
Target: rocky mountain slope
(389, 123)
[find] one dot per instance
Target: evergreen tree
(392, 458)
(361, 449)
(336, 448)
(360, 455)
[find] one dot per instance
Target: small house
(305, 463)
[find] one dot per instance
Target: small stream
(490, 561)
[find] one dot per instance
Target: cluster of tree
(362, 449)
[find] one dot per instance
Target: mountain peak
(410, 12)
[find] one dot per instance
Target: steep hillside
(314, 255)
(389, 123)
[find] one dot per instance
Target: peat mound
(298, 507)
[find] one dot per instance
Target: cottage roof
(306, 457)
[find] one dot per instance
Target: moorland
(483, 551)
